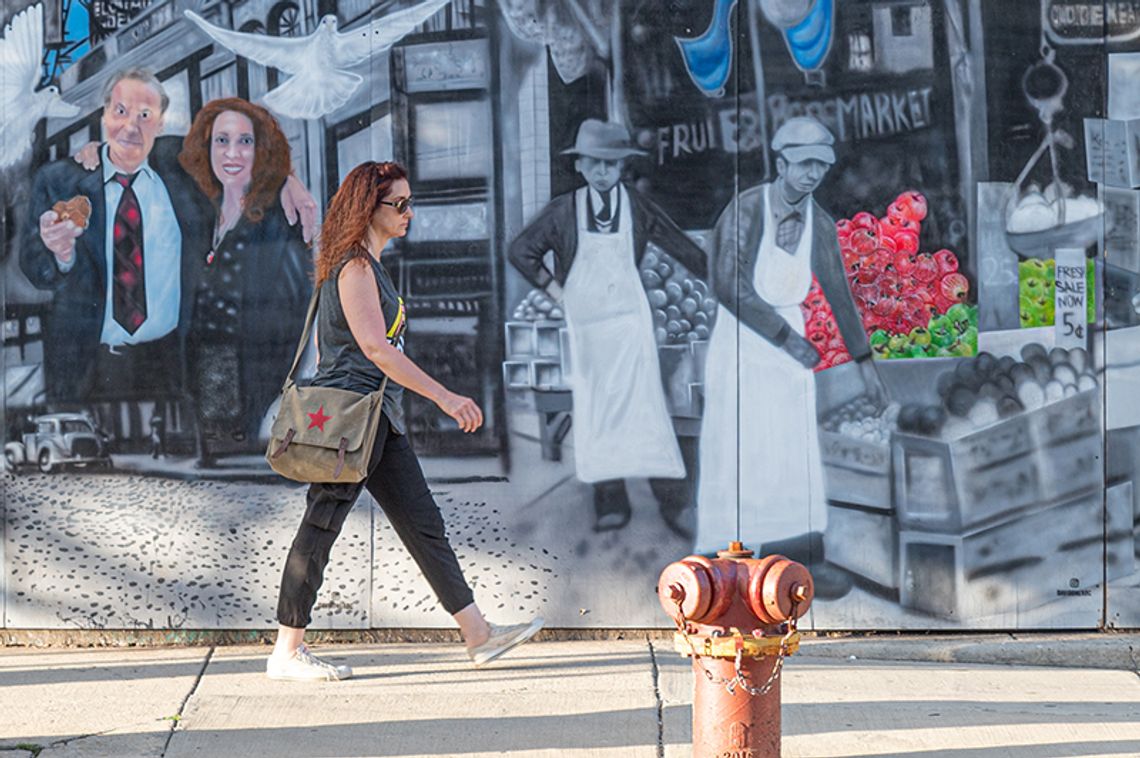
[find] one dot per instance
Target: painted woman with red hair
(249, 304)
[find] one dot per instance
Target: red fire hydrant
(736, 618)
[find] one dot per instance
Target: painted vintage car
(59, 440)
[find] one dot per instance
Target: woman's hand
(463, 410)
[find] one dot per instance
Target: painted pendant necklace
(220, 230)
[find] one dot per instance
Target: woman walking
(360, 329)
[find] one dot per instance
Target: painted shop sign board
(1089, 23)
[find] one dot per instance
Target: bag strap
(310, 318)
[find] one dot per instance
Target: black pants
(397, 482)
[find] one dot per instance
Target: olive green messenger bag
(323, 434)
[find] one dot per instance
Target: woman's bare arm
(360, 299)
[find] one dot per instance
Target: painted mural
(855, 282)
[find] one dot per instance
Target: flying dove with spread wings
(317, 63)
(21, 56)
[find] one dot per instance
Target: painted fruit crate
(856, 471)
(517, 375)
(1033, 558)
(954, 485)
(533, 339)
(519, 339)
(682, 370)
(864, 542)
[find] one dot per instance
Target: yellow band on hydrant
(726, 647)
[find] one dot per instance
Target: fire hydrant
(736, 618)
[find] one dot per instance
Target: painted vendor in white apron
(761, 479)
(598, 234)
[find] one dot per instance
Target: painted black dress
(249, 310)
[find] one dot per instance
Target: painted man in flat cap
(598, 234)
(759, 449)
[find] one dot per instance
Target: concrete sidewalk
(588, 698)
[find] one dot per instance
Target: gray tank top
(343, 364)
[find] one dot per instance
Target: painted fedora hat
(599, 139)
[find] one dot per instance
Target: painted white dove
(319, 82)
(21, 56)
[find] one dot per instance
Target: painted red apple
(867, 273)
(818, 321)
(926, 299)
(896, 211)
(925, 268)
(891, 284)
(887, 242)
(881, 258)
(864, 220)
(868, 292)
(886, 306)
(843, 228)
(893, 225)
(942, 304)
(955, 287)
(904, 264)
(863, 240)
(947, 262)
(913, 205)
(906, 240)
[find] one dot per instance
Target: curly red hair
(345, 226)
(271, 162)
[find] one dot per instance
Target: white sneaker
(303, 666)
(502, 639)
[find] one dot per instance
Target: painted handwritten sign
(1071, 298)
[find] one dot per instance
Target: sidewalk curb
(1100, 650)
(1119, 651)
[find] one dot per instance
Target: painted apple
(947, 262)
(925, 268)
(955, 287)
(906, 241)
(864, 241)
(913, 205)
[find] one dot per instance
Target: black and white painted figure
(598, 234)
(761, 477)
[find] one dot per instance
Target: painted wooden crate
(863, 541)
(1017, 464)
(856, 471)
(1022, 563)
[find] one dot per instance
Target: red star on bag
(318, 419)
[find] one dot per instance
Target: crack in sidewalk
(660, 705)
(176, 719)
(36, 749)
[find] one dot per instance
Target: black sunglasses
(402, 205)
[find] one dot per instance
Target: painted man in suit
(123, 283)
(598, 234)
(761, 476)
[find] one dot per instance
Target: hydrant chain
(740, 679)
